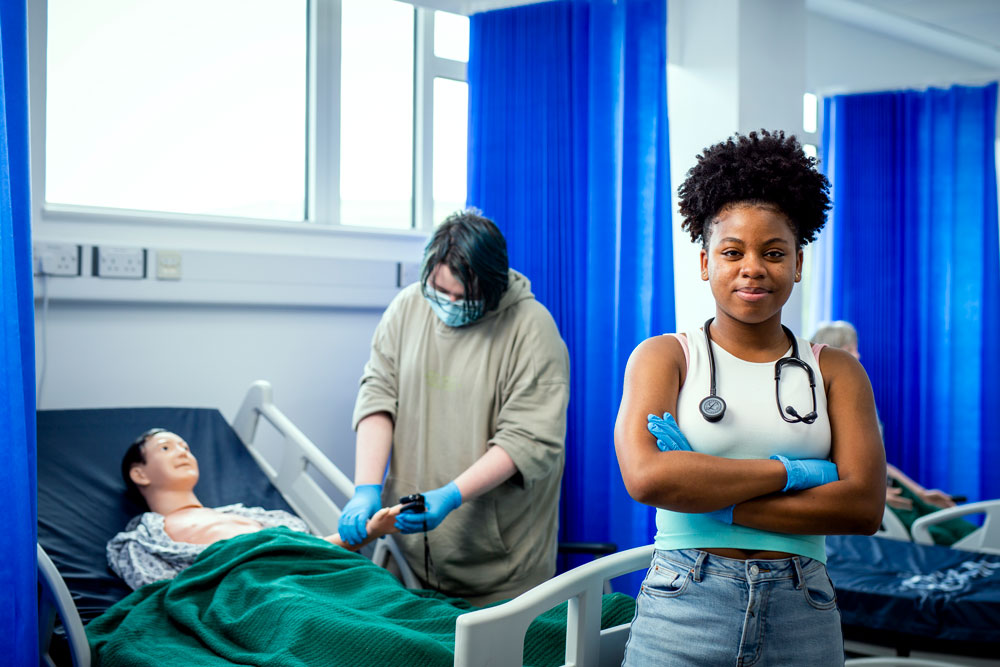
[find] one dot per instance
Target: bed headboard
(81, 497)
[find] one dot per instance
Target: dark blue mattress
(916, 597)
(81, 497)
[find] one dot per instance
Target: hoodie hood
(518, 289)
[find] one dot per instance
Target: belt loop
(696, 572)
(799, 579)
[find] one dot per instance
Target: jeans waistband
(701, 563)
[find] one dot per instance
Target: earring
(798, 276)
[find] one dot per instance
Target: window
(349, 112)
(217, 127)
(451, 104)
(810, 112)
(376, 113)
(451, 36)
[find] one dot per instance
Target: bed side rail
(55, 599)
(892, 527)
(301, 491)
(495, 636)
(985, 539)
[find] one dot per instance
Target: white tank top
(752, 428)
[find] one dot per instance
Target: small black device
(413, 503)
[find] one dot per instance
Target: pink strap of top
(683, 340)
(817, 347)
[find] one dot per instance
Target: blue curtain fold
(568, 153)
(915, 268)
(18, 613)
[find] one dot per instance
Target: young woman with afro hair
(751, 444)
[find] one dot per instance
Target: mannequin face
(170, 465)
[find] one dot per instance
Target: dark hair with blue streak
(475, 251)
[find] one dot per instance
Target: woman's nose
(752, 266)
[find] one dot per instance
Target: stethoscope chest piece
(712, 408)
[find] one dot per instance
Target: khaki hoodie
(452, 394)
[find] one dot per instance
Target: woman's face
(751, 262)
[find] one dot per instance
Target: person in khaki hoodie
(466, 388)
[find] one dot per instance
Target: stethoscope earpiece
(713, 408)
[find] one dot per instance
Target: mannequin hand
(807, 473)
(937, 498)
(668, 433)
(366, 501)
(438, 503)
(894, 498)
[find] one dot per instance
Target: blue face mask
(452, 313)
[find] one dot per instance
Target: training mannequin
(160, 471)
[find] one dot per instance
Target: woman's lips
(752, 293)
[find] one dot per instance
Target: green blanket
(279, 598)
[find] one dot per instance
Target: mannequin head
(158, 461)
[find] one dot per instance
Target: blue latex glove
(668, 433)
(438, 504)
(366, 501)
(670, 439)
(807, 473)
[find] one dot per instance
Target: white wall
(740, 66)
(292, 304)
(843, 58)
(733, 67)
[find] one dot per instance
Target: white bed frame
(493, 636)
(985, 539)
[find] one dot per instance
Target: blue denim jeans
(695, 608)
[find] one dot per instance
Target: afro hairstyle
(762, 168)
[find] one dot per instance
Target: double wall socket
(56, 259)
(119, 262)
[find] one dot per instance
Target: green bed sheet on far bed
(281, 598)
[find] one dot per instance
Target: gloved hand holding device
(438, 504)
(362, 506)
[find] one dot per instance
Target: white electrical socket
(119, 262)
(168, 265)
(56, 259)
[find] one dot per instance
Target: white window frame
(322, 205)
(427, 67)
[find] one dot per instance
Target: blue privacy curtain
(915, 268)
(568, 154)
(18, 615)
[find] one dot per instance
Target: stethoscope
(713, 408)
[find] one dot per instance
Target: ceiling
(968, 29)
(977, 20)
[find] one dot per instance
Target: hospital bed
(985, 539)
(903, 598)
(82, 504)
